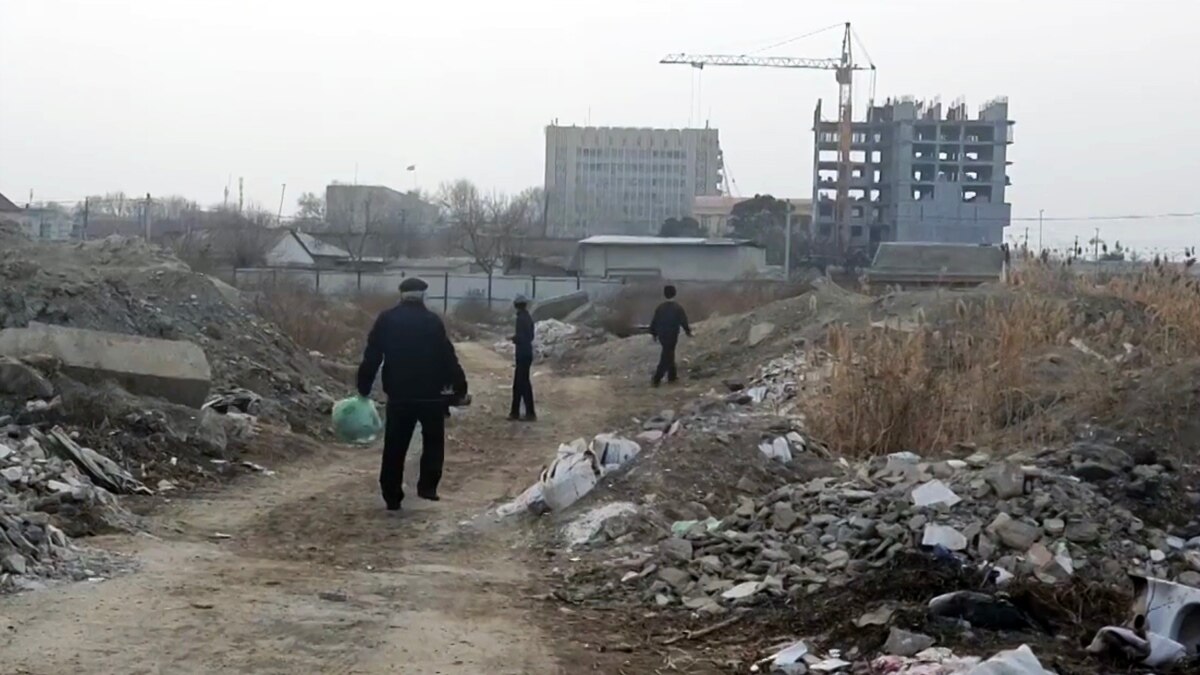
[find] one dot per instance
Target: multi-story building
(607, 180)
(375, 208)
(916, 175)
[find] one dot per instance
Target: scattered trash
(1166, 617)
(585, 527)
(777, 449)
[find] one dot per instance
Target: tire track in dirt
(317, 577)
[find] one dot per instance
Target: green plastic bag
(355, 420)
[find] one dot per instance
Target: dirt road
(315, 577)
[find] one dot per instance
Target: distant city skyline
(178, 97)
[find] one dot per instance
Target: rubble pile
(51, 490)
(1050, 517)
(553, 338)
(125, 286)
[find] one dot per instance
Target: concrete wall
(678, 263)
(445, 290)
(43, 224)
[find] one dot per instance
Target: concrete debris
(174, 370)
(559, 307)
(932, 493)
(904, 643)
(1019, 661)
(802, 537)
(598, 521)
(760, 332)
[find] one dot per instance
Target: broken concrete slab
(558, 307)
(173, 370)
(760, 332)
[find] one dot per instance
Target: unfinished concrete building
(917, 174)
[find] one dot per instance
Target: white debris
(777, 449)
(944, 535)
(583, 529)
(934, 492)
(743, 590)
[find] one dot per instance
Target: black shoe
(393, 506)
(429, 494)
(654, 383)
(529, 418)
(513, 417)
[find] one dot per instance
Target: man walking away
(418, 363)
(668, 320)
(522, 388)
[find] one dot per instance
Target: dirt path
(315, 577)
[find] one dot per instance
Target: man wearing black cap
(522, 339)
(669, 319)
(418, 364)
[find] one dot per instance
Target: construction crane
(843, 68)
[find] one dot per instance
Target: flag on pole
(411, 167)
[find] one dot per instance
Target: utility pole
(1027, 240)
(1040, 212)
(1096, 244)
(146, 216)
(787, 242)
(86, 205)
(241, 193)
(279, 218)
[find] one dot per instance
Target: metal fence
(445, 290)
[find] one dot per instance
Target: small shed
(675, 258)
(916, 263)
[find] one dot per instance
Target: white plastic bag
(569, 478)
(614, 451)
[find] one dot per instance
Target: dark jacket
(417, 356)
(668, 320)
(523, 337)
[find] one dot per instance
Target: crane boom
(843, 68)
(702, 60)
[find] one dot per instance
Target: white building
(713, 212)
(673, 258)
(51, 224)
(608, 180)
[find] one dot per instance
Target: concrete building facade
(672, 258)
(919, 173)
(609, 180)
(375, 208)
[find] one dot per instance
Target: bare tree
(485, 227)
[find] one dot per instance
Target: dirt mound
(125, 286)
(730, 345)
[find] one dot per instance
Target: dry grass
(1002, 362)
(332, 326)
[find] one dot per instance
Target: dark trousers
(666, 364)
(522, 388)
(402, 419)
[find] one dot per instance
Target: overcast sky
(177, 96)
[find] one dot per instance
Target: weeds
(990, 368)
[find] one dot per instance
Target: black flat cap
(412, 284)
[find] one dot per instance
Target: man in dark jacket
(522, 388)
(419, 363)
(668, 320)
